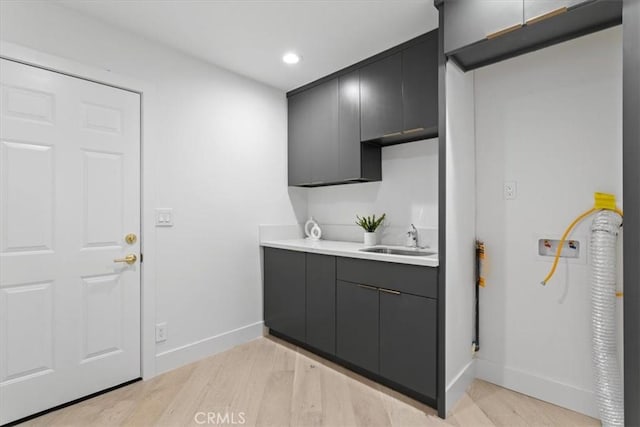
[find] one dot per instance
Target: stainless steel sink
(396, 251)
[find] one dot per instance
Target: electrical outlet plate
(161, 332)
(510, 190)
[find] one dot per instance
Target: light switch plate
(164, 217)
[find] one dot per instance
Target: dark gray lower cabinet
(408, 341)
(357, 325)
(284, 292)
(321, 302)
(377, 316)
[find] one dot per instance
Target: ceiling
(250, 37)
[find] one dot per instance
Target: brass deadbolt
(131, 238)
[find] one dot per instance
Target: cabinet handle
(372, 288)
(392, 134)
(547, 15)
(504, 31)
(413, 130)
(389, 291)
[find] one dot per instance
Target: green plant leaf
(370, 223)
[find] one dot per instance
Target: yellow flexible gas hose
(566, 234)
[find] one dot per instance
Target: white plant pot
(370, 238)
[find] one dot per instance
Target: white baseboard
(198, 350)
(547, 389)
(459, 385)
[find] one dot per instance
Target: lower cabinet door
(357, 325)
(284, 292)
(408, 341)
(321, 302)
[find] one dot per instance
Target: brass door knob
(129, 259)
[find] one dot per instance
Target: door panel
(284, 292)
(299, 148)
(321, 302)
(102, 315)
(28, 189)
(70, 192)
(28, 350)
(103, 210)
(408, 341)
(381, 98)
(349, 126)
(420, 85)
(357, 325)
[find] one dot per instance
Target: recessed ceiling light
(290, 58)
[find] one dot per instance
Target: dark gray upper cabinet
(323, 132)
(338, 124)
(479, 33)
(321, 302)
(324, 136)
(349, 125)
(381, 98)
(357, 162)
(420, 88)
(399, 94)
(469, 21)
(357, 325)
(284, 292)
(408, 338)
(313, 135)
(299, 150)
(539, 9)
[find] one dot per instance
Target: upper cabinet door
(349, 126)
(322, 132)
(469, 21)
(299, 144)
(381, 98)
(540, 9)
(420, 87)
(313, 135)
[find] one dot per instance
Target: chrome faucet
(413, 235)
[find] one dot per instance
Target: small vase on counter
(370, 238)
(370, 224)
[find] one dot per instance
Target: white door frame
(148, 133)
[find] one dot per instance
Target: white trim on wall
(147, 93)
(198, 350)
(543, 388)
(459, 385)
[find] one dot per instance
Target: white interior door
(69, 194)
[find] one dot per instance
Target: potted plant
(370, 224)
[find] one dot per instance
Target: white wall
(221, 164)
(408, 193)
(551, 121)
(460, 233)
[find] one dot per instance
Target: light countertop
(350, 250)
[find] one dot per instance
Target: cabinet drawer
(412, 279)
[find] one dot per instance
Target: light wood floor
(268, 382)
